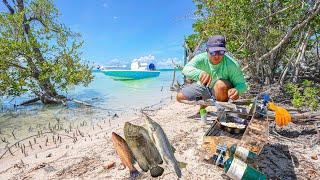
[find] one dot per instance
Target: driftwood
(30, 101)
(81, 102)
(58, 99)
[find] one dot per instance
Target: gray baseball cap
(216, 43)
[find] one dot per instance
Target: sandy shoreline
(85, 151)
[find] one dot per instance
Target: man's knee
(180, 97)
(221, 88)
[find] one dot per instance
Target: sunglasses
(220, 53)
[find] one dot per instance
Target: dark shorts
(195, 91)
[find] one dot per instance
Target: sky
(120, 31)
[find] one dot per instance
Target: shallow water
(109, 97)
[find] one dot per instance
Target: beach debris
(241, 153)
(237, 170)
(314, 157)
(121, 167)
(13, 134)
(115, 115)
(124, 153)
(109, 165)
(218, 158)
(143, 149)
(19, 165)
(316, 139)
(162, 143)
(282, 116)
(49, 155)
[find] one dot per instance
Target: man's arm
(192, 69)
(237, 79)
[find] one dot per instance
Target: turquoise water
(130, 94)
(108, 97)
(104, 92)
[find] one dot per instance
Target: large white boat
(138, 71)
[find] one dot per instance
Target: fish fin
(182, 164)
(134, 173)
(177, 170)
(159, 159)
(156, 171)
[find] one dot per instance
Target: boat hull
(129, 74)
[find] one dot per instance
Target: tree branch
(317, 42)
(289, 63)
(301, 55)
(277, 12)
(34, 18)
(15, 65)
(8, 6)
(289, 34)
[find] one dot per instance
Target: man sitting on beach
(216, 70)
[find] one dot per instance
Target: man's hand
(233, 94)
(205, 79)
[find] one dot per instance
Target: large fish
(125, 154)
(162, 143)
(143, 149)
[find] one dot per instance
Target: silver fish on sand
(162, 143)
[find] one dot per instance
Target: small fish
(143, 149)
(162, 143)
(125, 154)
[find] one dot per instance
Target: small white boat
(138, 71)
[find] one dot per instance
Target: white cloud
(116, 62)
(145, 59)
(115, 17)
(167, 63)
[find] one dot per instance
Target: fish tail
(156, 171)
(177, 169)
(134, 173)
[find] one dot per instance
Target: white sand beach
(86, 151)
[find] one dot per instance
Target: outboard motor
(151, 67)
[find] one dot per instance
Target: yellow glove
(282, 117)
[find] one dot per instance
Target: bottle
(239, 170)
(203, 115)
(242, 153)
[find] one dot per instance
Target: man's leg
(192, 91)
(220, 90)
(181, 97)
